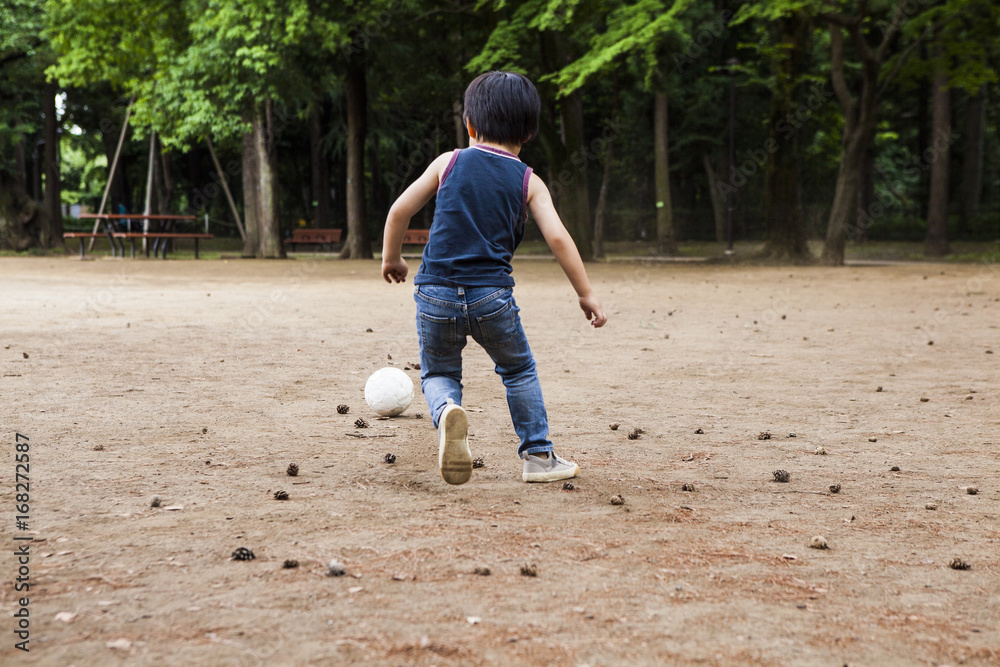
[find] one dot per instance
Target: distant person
(464, 286)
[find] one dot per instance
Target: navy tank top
(479, 216)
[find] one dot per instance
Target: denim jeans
(446, 317)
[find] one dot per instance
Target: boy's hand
(395, 271)
(593, 310)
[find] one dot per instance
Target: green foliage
(637, 30)
(23, 54)
(197, 68)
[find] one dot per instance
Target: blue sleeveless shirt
(479, 216)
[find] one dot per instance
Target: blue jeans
(446, 316)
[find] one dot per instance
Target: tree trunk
(251, 195)
(574, 202)
(972, 166)
(150, 207)
(602, 201)
(924, 138)
(936, 244)
(666, 239)
(52, 230)
(357, 245)
(21, 218)
(783, 215)
(461, 132)
(843, 214)
(116, 191)
(860, 114)
(20, 164)
(320, 169)
(718, 201)
(165, 194)
(269, 244)
(866, 193)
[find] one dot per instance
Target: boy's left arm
(562, 246)
(414, 198)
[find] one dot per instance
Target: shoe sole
(455, 458)
(553, 476)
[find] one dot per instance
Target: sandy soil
(200, 382)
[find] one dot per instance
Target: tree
(936, 244)
(538, 38)
(860, 108)
(783, 46)
(199, 69)
(24, 54)
(646, 31)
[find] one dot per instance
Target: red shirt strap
(524, 193)
(451, 163)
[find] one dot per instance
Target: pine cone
(293, 470)
(281, 495)
(390, 458)
(617, 500)
(243, 554)
(290, 563)
(959, 564)
(568, 486)
(343, 409)
(764, 435)
(835, 488)
(781, 476)
(687, 487)
(478, 462)
(634, 434)
(529, 570)
(361, 423)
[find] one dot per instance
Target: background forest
(664, 121)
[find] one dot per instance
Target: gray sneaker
(454, 455)
(552, 469)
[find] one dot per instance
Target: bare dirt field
(200, 382)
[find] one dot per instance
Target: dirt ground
(201, 381)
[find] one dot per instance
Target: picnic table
(117, 233)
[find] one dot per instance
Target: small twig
(592, 557)
(818, 493)
(379, 435)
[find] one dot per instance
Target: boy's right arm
(414, 198)
(562, 246)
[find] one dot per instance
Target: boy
(464, 286)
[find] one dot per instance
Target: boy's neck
(510, 149)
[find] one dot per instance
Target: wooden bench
(115, 247)
(320, 237)
(416, 236)
(160, 240)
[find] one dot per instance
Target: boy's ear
(470, 128)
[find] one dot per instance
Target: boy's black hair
(503, 107)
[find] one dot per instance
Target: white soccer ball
(389, 391)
